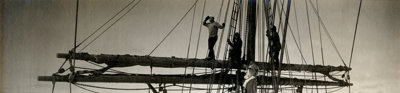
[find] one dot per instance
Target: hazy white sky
(35, 30)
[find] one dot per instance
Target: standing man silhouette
(213, 35)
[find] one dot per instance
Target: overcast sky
(35, 30)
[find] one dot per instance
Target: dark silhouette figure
(234, 56)
(274, 45)
(236, 49)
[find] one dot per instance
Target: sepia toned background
(33, 31)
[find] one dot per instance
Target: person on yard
(234, 56)
(274, 45)
(236, 50)
(213, 36)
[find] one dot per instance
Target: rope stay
(190, 38)
(77, 45)
(198, 38)
(220, 10)
(311, 42)
(328, 34)
(223, 30)
(355, 33)
(123, 15)
(173, 29)
(321, 44)
(85, 89)
(280, 14)
(72, 63)
(283, 45)
(354, 40)
(198, 41)
(98, 29)
(111, 88)
(294, 39)
(268, 16)
(303, 61)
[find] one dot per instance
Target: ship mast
(251, 17)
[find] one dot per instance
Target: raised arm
(205, 21)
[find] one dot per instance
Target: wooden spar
(172, 62)
(176, 79)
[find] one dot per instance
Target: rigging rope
(280, 15)
(355, 33)
(210, 83)
(108, 69)
(76, 23)
(198, 41)
(220, 9)
(311, 40)
(327, 32)
(298, 35)
(190, 39)
(297, 26)
(191, 31)
(110, 88)
(297, 23)
(269, 45)
(151, 74)
(303, 61)
(176, 25)
(65, 61)
(110, 25)
(335, 90)
(85, 89)
(354, 39)
(223, 30)
(74, 49)
(298, 47)
(116, 72)
(321, 44)
(267, 11)
(195, 88)
(296, 42)
(288, 61)
(98, 29)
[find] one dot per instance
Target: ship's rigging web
(209, 86)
